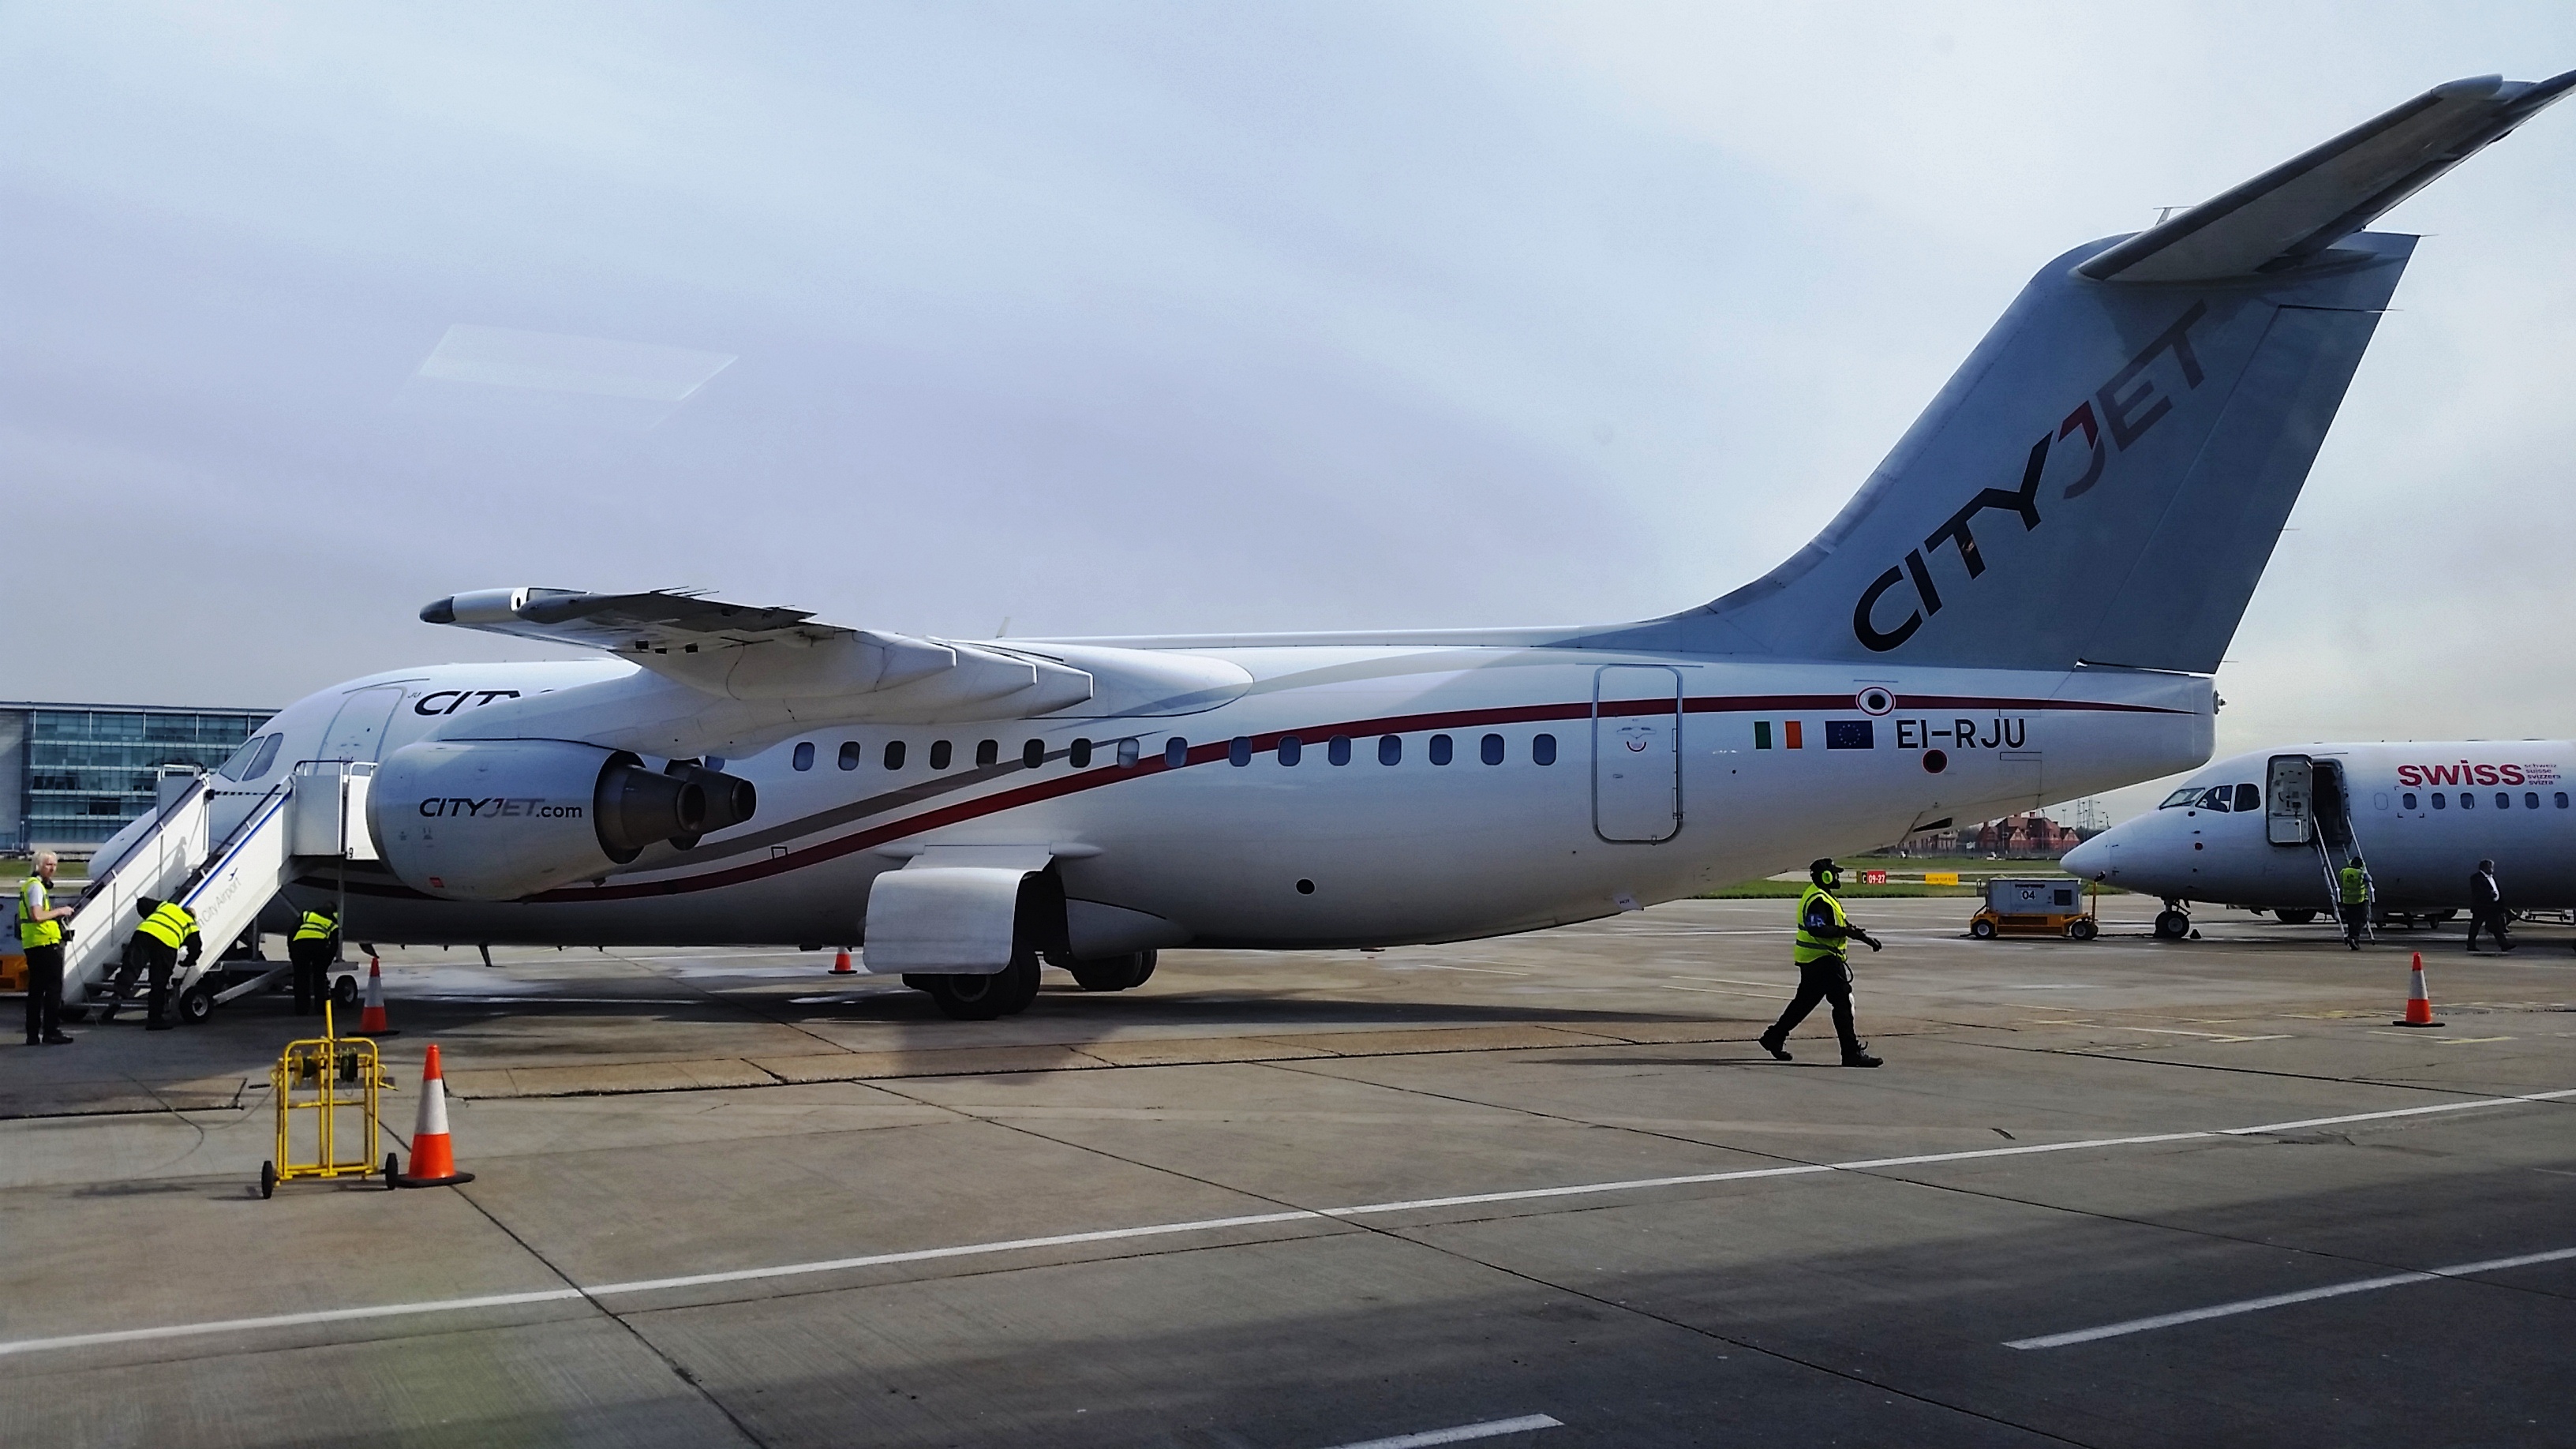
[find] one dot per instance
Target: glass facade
(85, 772)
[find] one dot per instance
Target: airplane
(2270, 830)
(2023, 603)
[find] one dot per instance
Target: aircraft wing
(2310, 202)
(745, 652)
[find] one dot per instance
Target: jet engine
(497, 820)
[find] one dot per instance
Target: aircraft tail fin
(2104, 479)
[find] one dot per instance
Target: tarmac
(1540, 1191)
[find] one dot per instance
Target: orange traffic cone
(371, 1017)
(841, 964)
(433, 1160)
(2419, 1002)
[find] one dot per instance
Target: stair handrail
(160, 820)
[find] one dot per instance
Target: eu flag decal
(1849, 734)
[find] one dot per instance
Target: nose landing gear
(2172, 923)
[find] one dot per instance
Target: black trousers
(143, 953)
(312, 972)
(2354, 914)
(44, 992)
(2492, 918)
(1827, 980)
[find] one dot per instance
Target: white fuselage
(1670, 774)
(2423, 816)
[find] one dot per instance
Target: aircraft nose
(2091, 860)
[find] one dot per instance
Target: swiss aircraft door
(2289, 801)
(1636, 752)
(358, 731)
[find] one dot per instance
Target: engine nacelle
(497, 820)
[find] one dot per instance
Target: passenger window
(2504, 800)
(892, 754)
(988, 753)
(1338, 749)
(1439, 749)
(1291, 749)
(1176, 753)
(1491, 750)
(1128, 753)
(804, 757)
(2248, 798)
(1078, 754)
(1238, 751)
(2560, 799)
(1033, 754)
(2408, 799)
(2438, 801)
(2468, 801)
(939, 754)
(849, 754)
(265, 760)
(1390, 749)
(2530, 799)
(1543, 749)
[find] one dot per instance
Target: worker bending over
(154, 948)
(1823, 972)
(315, 946)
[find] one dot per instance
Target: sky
(1080, 319)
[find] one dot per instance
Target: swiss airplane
(2024, 603)
(2270, 829)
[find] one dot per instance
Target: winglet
(2308, 203)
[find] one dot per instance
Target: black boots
(1858, 1056)
(1777, 1047)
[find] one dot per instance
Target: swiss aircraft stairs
(317, 812)
(2336, 847)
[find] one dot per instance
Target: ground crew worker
(2354, 880)
(315, 946)
(2486, 906)
(1823, 973)
(154, 948)
(41, 936)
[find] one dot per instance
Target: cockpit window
(2217, 797)
(2183, 796)
(253, 760)
(2248, 798)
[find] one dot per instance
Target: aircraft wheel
(1110, 973)
(1982, 930)
(2172, 925)
(1006, 992)
(344, 992)
(2294, 918)
(196, 1004)
(1144, 971)
(2083, 930)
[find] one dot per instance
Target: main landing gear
(1009, 991)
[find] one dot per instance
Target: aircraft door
(358, 731)
(2289, 801)
(1636, 753)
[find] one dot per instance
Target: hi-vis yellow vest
(315, 927)
(2356, 886)
(1812, 947)
(32, 899)
(171, 925)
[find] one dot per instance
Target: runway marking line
(1491, 1428)
(2284, 1300)
(1205, 1225)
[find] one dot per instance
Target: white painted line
(2283, 1300)
(1203, 1225)
(1460, 1435)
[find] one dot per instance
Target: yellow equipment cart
(2035, 906)
(323, 1078)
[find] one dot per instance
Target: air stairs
(2336, 845)
(317, 813)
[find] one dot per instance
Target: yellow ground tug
(324, 1077)
(2036, 906)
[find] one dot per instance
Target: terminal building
(72, 774)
